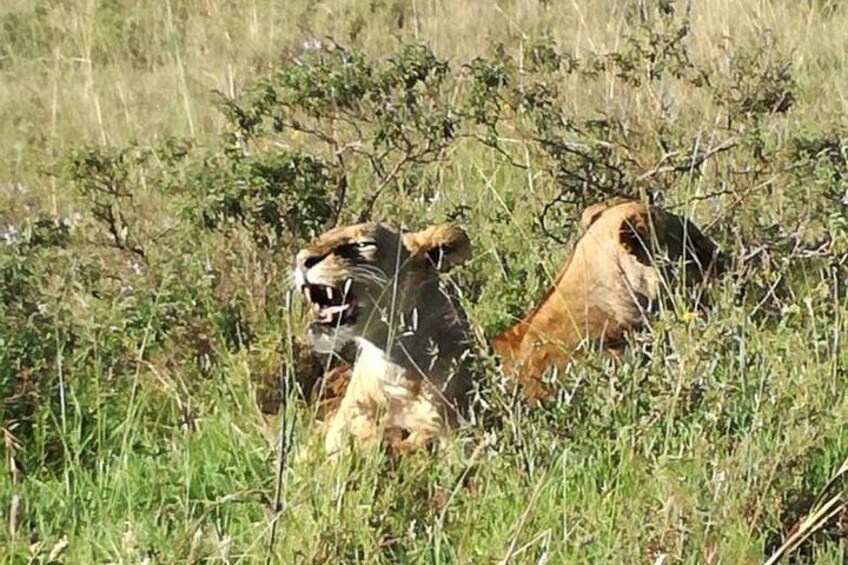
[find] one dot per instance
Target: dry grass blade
(510, 552)
(12, 445)
(823, 510)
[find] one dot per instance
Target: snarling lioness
(605, 290)
(380, 288)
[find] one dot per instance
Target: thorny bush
(182, 251)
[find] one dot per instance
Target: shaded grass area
(148, 224)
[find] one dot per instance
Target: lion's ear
(444, 246)
(592, 213)
(595, 211)
(634, 235)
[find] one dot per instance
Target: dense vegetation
(162, 161)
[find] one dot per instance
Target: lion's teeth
(307, 293)
(329, 293)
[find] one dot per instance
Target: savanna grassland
(161, 161)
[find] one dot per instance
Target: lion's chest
(385, 377)
(405, 401)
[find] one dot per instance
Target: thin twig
(284, 433)
(693, 163)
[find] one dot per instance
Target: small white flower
(11, 235)
(311, 45)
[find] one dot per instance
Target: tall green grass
(132, 431)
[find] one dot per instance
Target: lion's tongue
(325, 314)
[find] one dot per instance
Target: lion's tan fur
(604, 289)
(409, 378)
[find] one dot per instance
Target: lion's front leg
(418, 417)
(360, 415)
(414, 441)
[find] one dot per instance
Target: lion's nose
(308, 260)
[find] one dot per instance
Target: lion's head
(628, 252)
(380, 287)
(360, 278)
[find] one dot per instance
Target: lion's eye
(354, 249)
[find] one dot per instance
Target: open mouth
(333, 306)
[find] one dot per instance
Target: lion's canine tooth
(329, 293)
(307, 293)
